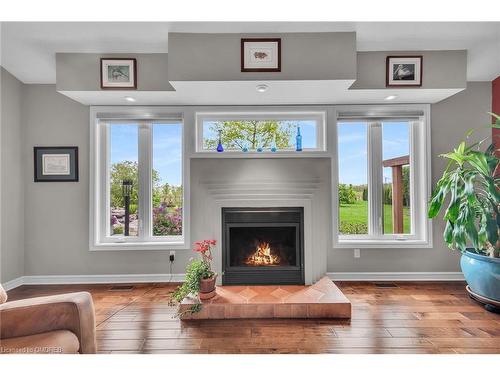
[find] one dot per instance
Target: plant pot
(207, 287)
(482, 273)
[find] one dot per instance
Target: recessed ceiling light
(262, 88)
(129, 99)
(391, 97)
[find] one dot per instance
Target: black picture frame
(71, 152)
(261, 40)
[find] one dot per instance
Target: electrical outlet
(357, 253)
(172, 255)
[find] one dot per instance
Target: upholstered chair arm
(72, 311)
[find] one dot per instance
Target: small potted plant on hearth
(471, 182)
(200, 279)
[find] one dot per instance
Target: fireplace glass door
(263, 246)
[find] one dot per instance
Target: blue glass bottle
(220, 148)
(273, 146)
(298, 140)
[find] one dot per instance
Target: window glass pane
(353, 178)
(396, 174)
(167, 179)
(259, 135)
(124, 179)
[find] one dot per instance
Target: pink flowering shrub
(167, 221)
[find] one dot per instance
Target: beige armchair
(62, 323)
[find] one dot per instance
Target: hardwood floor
(419, 317)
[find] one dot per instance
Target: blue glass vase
(298, 140)
(220, 148)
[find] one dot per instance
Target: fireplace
(262, 246)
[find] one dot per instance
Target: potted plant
(200, 279)
(472, 215)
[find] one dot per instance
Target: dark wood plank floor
(423, 317)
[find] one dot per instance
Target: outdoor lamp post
(127, 192)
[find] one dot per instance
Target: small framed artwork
(56, 164)
(118, 74)
(261, 55)
(403, 71)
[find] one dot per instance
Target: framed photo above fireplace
(403, 71)
(56, 164)
(261, 55)
(118, 74)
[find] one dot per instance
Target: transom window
(382, 181)
(260, 132)
(139, 194)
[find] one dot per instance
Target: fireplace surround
(262, 245)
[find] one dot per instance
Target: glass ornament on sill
(260, 149)
(220, 148)
(298, 140)
(273, 146)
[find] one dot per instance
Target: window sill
(261, 155)
(139, 246)
(382, 244)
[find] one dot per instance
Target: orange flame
(262, 256)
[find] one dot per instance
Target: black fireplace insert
(263, 246)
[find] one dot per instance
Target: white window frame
(320, 116)
(420, 176)
(145, 118)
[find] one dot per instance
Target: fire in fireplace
(262, 246)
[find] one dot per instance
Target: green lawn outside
(358, 213)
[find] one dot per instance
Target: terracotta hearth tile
(280, 293)
(216, 311)
(299, 311)
(247, 293)
(322, 300)
(264, 311)
(282, 311)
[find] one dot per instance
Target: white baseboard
(13, 283)
(94, 279)
(179, 277)
(396, 276)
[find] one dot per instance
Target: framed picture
(403, 71)
(261, 55)
(118, 73)
(56, 164)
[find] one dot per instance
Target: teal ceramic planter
(482, 273)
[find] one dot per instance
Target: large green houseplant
(468, 193)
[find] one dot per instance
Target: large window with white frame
(138, 183)
(261, 131)
(382, 180)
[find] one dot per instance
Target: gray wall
(81, 71)
(12, 202)
(441, 69)
(304, 56)
(56, 214)
(450, 119)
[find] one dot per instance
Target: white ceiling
(28, 48)
(244, 93)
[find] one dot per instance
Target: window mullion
(145, 181)
(375, 180)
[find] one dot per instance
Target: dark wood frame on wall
(388, 58)
(48, 148)
(118, 87)
(244, 40)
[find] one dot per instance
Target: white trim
(9, 285)
(179, 277)
(396, 276)
(319, 115)
(140, 115)
(102, 279)
(421, 236)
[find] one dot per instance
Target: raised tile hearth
(320, 300)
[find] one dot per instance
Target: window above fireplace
(256, 133)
